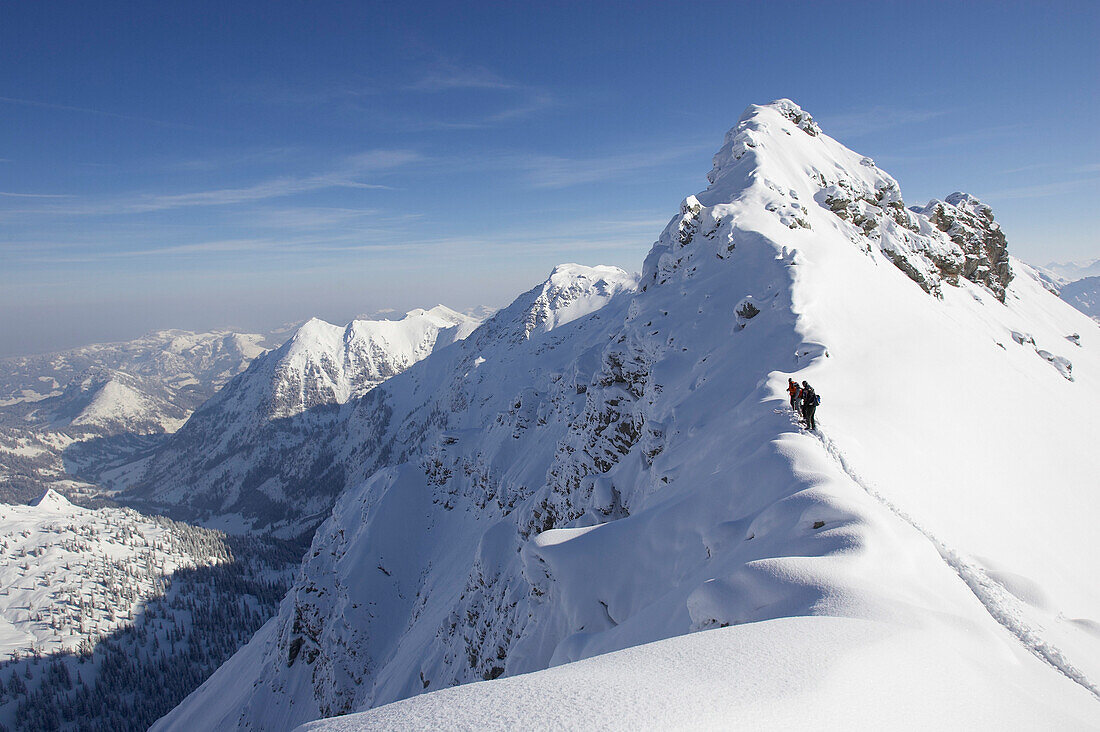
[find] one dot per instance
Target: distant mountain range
(1071, 271)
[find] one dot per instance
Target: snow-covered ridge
(634, 477)
(328, 364)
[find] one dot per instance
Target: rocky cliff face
(969, 224)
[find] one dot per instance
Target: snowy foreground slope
(789, 673)
(218, 468)
(627, 479)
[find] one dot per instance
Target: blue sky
(247, 164)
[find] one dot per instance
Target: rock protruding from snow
(969, 223)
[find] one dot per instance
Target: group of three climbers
(804, 401)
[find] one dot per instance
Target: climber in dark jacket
(809, 404)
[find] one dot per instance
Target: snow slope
(633, 477)
(218, 468)
(776, 674)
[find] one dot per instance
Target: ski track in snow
(998, 602)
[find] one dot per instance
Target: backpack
(817, 399)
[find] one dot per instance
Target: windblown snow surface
(620, 517)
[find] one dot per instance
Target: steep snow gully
(1002, 605)
(554, 490)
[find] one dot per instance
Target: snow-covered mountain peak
(574, 290)
(778, 173)
(570, 292)
(441, 313)
(326, 364)
(962, 200)
(314, 335)
(113, 401)
(51, 500)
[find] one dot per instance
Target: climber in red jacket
(796, 395)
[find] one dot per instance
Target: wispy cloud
(398, 103)
(973, 136)
(234, 159)
(376, 233)
(534, 103)
(312, 246)
(310, 96)
(91, 111)
(1041, 190)
(447, 76)
(348, 174)
(9, 194)
(548, 171)
(1025, 168)
(865, 121)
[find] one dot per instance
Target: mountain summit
(630, 489)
